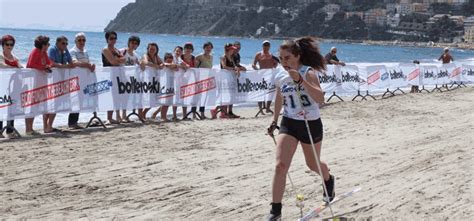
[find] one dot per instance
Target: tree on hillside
(443, 29)
(467, 8)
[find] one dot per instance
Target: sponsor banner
(412, 73)
(28, 93)
(377, 78)
(398, 77)
(350, 79)
(330, 79)
(429, 74)
(255, 86)
(442, 77)
(467, 74)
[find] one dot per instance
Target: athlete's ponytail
(308, 50)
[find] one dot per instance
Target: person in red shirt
(446, 57)
(39, 60)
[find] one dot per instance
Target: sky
(85, 15)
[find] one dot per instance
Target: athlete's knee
(281, 168)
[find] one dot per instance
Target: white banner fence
(29, 93)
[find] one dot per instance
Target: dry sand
(411, 154)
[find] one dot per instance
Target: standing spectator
(168, 63)
(204, 60)
(111, 57)
(131, 59)
(61, 58)
(331, 57)
(227, 63)
(8, 60)
(265, 60)
(151, 59)
(80, 58)
(237, 57)
(190, 61)
(446, 57)
(39, 60)
(79, 54)
(178, 52)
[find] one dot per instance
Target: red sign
(373, 77)
(197, 87)
(455, 72)
(414, 74)
(50, 91)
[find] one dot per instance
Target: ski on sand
(315, 212)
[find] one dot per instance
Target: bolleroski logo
(442, 74)
(137, 87)
(197, 87)
(414, 74)
(325, 79)
(373, 77)
(455, 72)
(98, 88)
(5, 101)
(428, 74)
(397, 75)
(469, 72)
(50, 91)
(350, 78)
(142, 87)
(249, 86)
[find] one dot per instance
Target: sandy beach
(411, 154)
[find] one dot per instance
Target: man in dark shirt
(331, 57)
(237, 57)
(446, 57)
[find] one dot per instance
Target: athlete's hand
(294, 74)
(272, 128)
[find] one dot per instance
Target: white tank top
(294, 107)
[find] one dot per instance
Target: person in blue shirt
(61, 58)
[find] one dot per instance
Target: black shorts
(297, 129)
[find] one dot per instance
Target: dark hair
(207, 44)
(152, 44)
(61, 38)
(109, 33)
(275, 58)
(308, 50)
(41, 41)
(189, 45)
(134, 38)
(168, 55)
(178, 47)
(6, 38)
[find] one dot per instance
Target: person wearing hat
(331, 57)
(446, 57)
(265, 61)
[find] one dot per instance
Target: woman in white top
(131, 59)
(299, 93)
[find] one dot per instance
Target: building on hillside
(372, 15)
(331, 10)
(393, 20)
(469, 29)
